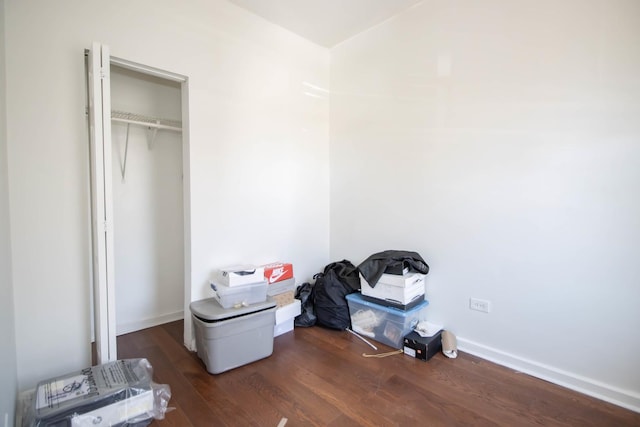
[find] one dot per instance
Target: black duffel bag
(332, 286)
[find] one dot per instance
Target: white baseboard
(125, 328)
(624, 398)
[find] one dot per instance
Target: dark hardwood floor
(319, 377)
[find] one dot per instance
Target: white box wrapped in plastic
(112, 394)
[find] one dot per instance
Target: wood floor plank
(226, 409)
(318, 377)
(483, 392)
(304, 404)
(340, 391)
(182, 392)
(177, 418)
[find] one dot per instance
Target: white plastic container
(229, 338)
(240, 296)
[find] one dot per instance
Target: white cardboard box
(239, 275)
(283, 328)
(406, 280)
(398, 289)
(285, 316)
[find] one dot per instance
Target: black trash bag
(307, 317)
(332, 286)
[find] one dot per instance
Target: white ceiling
(325, 22)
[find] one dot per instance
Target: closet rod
(150, 122)
(147, 124)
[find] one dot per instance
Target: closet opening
(140, 198)
(148, 221)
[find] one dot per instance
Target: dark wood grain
(318, 377)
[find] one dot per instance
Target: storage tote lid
(210, 309)
(357, 299)
(224, 290)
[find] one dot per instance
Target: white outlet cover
(481, 305)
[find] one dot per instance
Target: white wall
(505, 133)
(8, 373)
(501, 140)
(148, 218)
(258, 151)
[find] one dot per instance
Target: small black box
(423, 348)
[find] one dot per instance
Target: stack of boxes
(239, 286)
(281, 286)
(235, 327)
(390, 309)
(246, 285)
(250, 306)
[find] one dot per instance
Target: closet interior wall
(148, 203)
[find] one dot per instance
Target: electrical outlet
(479, 305)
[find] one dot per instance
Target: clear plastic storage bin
(240, 296)
(387, 325)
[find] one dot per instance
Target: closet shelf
(150, 122)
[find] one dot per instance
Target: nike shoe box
(277, 272)
(233, 337)
(422, 348)
(399, 291)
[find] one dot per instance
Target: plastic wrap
(119, 393)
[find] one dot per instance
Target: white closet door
(101, 202)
